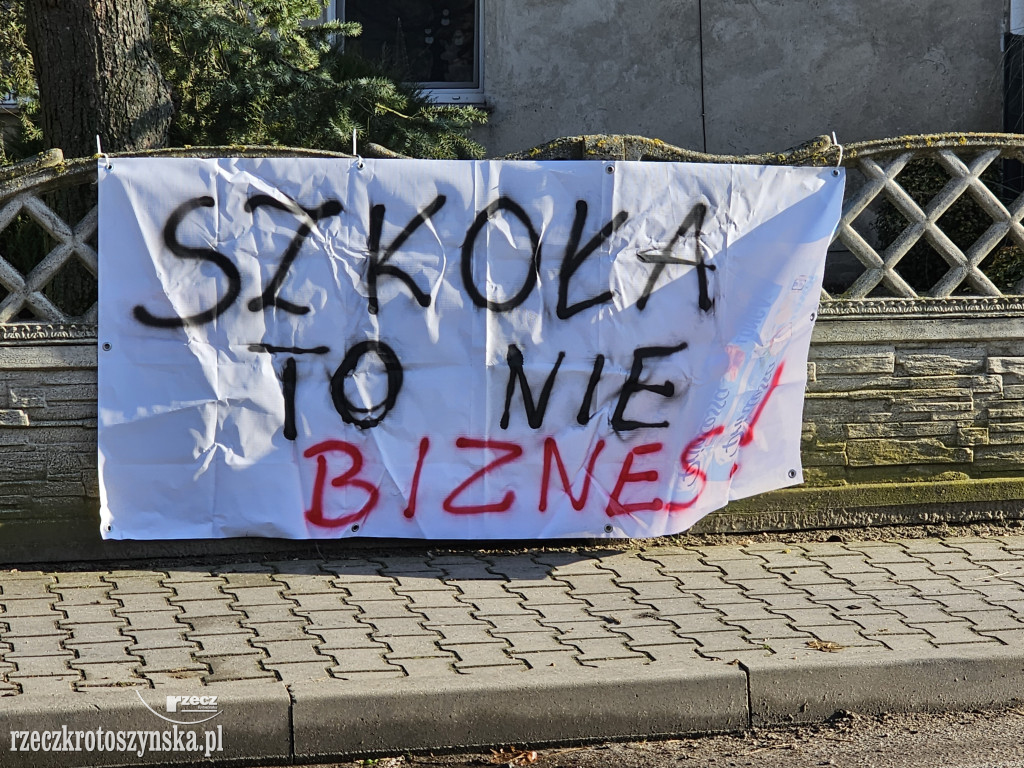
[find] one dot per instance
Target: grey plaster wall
(780, 71)
(577, 66)
(730, 76)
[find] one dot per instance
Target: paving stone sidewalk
(377, 653)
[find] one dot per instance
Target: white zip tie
(835, 141)
(355, 153)
(101, 153)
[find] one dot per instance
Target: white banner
(310, 348)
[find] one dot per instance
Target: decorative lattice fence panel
(925, 218)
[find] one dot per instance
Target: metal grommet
(609, 169)
(355, 528)
(814, 316)
(608, 529)
(835, 171)
(106, 346)
(792, 474)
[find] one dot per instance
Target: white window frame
(456, 95)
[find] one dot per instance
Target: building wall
(731, 77)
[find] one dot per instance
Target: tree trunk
(97, 75)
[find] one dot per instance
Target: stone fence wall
(915, 403)
(906, 420)
(48, 483)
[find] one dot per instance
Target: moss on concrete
(48, 159)
(1012, 143)
(886, 494)
(817, 151)
(873, 453)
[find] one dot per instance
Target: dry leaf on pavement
(513, 757)
(824, 645)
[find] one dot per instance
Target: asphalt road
(952, 740)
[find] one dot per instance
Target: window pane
(431, 42)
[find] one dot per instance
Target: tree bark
(97, 75)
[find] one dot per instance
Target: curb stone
(816, 687)
(509, 708)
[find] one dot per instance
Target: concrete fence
(915, 398)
